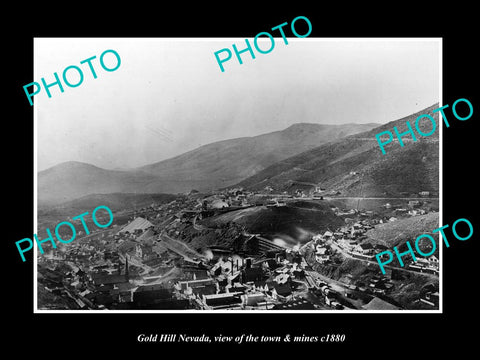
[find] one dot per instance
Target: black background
(366, 334)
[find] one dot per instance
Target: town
(170, 257)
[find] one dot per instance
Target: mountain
(227, 162)
(355, 166)
(73, 179)
(114, 201)
(208, 167)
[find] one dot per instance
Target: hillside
(398, 232)
(72, 180)
(206, 168)
(226, 162)
(293, 223)
(355, 166)
(115, 201)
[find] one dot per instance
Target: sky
(169, 96)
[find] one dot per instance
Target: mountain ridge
(354, 165)
(208, 167)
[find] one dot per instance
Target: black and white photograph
(228, 180)
(259, 188)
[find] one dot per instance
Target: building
(252, 274)
(100, 279)
(322, 254)
(253, 299)
(433, 260)
(416, 212)
(197, 287)
(222, 301)
(139, 224)
(328, 234)
(150, 295)
(183, 285)
(330, 298)
(364, 249)
(281, 292)
(414, 203)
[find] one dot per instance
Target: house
(139, 224)
(105, 299)
(317, 237)
(330, 298)
(271, 264)
(151, 294)
(433, 260)
(322, 258)
(293, 257)
(422, 261)
(344, 244)
(336, 305)
(416, 212)
(414, 203)
(202, 290)
(321, 250)
(282, 278)
(261, 286)
(103, 279)
(222, 301)
(194, 284)
(424, 193)
(253, 299)
(281, 291)
(364, 249)
(251, 274)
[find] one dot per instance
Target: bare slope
(407, 169)
(290, 223)
(114, 201)
(73, 179)
(206, 168)
(226, 162)
(398, 232)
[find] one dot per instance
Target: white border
(252, 312)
